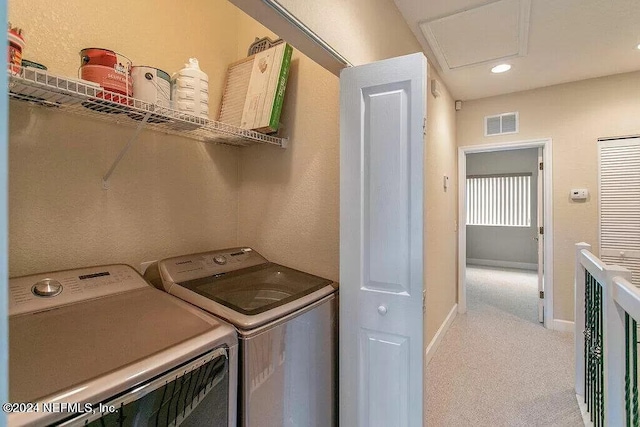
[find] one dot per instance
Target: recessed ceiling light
(501, 68)
(638, 47)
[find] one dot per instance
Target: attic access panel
(488, 33)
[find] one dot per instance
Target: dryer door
(193, 395)
(258, 289)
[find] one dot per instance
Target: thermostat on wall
(579, 194)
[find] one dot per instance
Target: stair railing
(607, 308)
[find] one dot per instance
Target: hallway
(497, 366)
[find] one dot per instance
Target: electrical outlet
(144, 265)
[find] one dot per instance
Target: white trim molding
(546, 144)
(584, 411)
(504, 264)
(437, 338)
(563, 325)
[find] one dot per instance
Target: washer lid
(55, 350)
(257, 289)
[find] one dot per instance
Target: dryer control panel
(206, 264)
(45, 291)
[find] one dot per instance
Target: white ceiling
(546, 41)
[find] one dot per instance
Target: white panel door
(382, 108)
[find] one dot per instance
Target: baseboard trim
(584, 411)
(563, 325)
(435, 342)
(505, 264)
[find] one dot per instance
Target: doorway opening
(505, 238)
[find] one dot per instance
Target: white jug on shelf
(190, 90)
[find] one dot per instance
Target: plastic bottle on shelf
(190, 90)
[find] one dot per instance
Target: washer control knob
(382, 310)
(47, 288)
(220, 260)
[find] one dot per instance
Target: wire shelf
(81, 97)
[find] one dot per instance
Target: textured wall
(365, 31)
(387, 35)
(360, 30)
(283, 202)
(513, 244)
(56, 34)
(169, 195)
(574, 115)
(289, 199)
(441, 209)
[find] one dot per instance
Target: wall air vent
(501, 124)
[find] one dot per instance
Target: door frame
(546, 144)
(4, 232)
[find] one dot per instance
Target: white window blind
(500, 200)
(620, 204)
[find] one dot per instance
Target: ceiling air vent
(501, 124)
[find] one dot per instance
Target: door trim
(546, 144)
(4, 192)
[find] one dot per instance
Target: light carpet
(497, 366)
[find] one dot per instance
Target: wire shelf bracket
(128, 145)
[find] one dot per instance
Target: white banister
(627, 296)
(614, 349)
(579, 317)
(595, 266)
(619, 297)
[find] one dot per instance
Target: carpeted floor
(497, 366)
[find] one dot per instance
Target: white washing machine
(286, 323)
(99, 346)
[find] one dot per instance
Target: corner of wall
(441, 208)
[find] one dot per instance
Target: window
(499, 200)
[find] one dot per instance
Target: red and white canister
(109, 69)
(16, 45)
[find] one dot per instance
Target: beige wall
(169, 195)
(440, 209)
(172, 195)
(360, 30)
(289, 199)
(574, 115)
(204, 29)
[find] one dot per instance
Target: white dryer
(100, 346)
(286, 323)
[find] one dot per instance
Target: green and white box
(254, 90)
